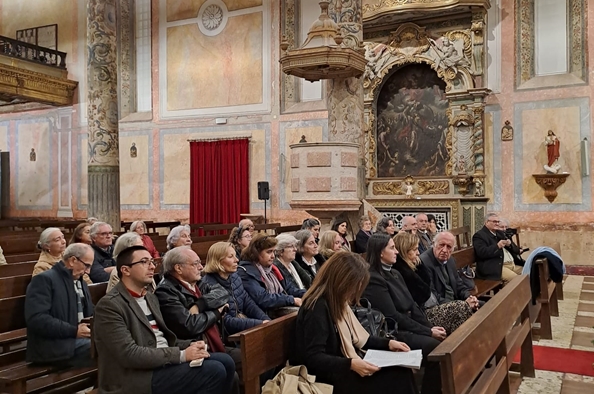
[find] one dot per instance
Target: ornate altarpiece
(449, 38)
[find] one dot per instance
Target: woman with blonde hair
(330, 243)
(329, 337)
(417, 277)
(221, 268)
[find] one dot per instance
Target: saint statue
(552, 143)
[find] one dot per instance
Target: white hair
(44, 237)
(175, 234)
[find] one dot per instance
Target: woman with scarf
(262, 280)
(329, 338)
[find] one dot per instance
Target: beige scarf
(352, 334)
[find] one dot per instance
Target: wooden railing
(22, 50)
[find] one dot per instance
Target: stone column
(102, 84)
(345, 95)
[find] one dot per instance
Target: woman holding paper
(387, 292)
(329, 338)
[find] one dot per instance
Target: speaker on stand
(264, 194)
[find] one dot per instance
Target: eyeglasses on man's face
(87, 266)
(105, 234)
(145, 262)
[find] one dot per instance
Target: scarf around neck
(271, 282)
(352, 334)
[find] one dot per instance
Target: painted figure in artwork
(552, 143)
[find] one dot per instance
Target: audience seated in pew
(313, 225)
(387, 292)
(123, 242)
(285, 252)
(328, 335)
(240, 238)
(385, 225)
(417, 278)
(340, 225)
(221, 268)
(307, 255)
(56, 302)
(493, 260)
(82, 234)
(179, 236)
(139, 227)
(330, 243)
(262, 280)
(102, 236)
(446, 285)
(363, 235)
(134, 358)
(425, 241)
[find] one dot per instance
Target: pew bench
(482, 287)
(259, 353)
(16, 269)
(546, 302)
(478, 356)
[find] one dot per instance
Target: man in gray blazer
(137, 352)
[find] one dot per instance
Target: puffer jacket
(255, 287)
(239, 302)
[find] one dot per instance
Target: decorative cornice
(34, 86)
(373, 9)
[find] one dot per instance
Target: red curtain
(219, 181)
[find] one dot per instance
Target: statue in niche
(479, 190)
(32, 155)
(552, 143)
(412, 123)
(448, 55)
(461, 165)
(133, 150)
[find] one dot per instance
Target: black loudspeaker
(263, 191)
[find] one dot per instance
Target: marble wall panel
(219, 71)
(34, 179)
(565, 123)
(135, 179)
(176, 169)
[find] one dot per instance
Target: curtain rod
(212, 139)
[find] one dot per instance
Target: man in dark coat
(138, 353)
(102, 237)
(445, 281)
(56, 302)
(493, 261)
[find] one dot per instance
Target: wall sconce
(507, 132)
(133, 150)
(585, 154)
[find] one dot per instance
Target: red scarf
(212, 334)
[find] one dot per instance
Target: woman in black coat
(363, 235)
(327, 334)
(387, 292)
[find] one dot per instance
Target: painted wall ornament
(133, 150)
(507, 132)
(32, 155)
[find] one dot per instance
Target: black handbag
(373, 321)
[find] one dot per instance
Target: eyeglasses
(106, 234)
(494, 221)
(87, 266)
(195, 264)
(145, 262)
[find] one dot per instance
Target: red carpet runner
(555, 359)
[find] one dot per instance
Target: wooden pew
(17, 269)
(482, 287)
(287, 229)
(547, 302)
(12, 324)
(264, 228)
(491, 337)
(19, 258)
(259, 353)
(462, 235)
(13, 286)
(20, 246)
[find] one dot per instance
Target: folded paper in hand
(385, 358)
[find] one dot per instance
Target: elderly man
(424, 238)
(489, 245)
(190, 308)
(409, 224)
(446, 284)
(56, 302)
(102, 237)
(138, 352)
(247, 223)
(179, 236)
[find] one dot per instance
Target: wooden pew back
(14, 285)
(493, 331)
(264, 347)
(12, 311)
(17, 269)
(287, 229)
(462, 235)
(465, 257)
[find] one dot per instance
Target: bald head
(409, 223)
(422, 221)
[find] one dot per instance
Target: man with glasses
(102, 238)
(57, 301)
(489, 249)
(138, 352)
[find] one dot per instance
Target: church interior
(164, 110)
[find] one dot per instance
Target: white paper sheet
(385, 358)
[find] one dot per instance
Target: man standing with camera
(493, 260)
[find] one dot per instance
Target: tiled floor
(574, 329)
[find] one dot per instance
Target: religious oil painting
(412, 124)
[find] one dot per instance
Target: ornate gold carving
(463, 183)
(398, 188)
(433, 187)
(463, 118)
(388, 189)
(35, 86)
(550, 183)
(409, 40)
(390, 6)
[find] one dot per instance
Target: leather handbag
(373, 321)
(295, 380)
